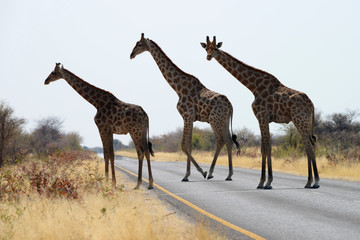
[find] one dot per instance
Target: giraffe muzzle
(209, 57)
(132, 55)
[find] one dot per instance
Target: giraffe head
(211, 47)
(56, 74)
(140, 47)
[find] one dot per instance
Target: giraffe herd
(273, 102)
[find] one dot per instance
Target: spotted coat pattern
(113, 116)
(196, 103)
(273, 102)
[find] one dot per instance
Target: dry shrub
(66, 197)
(55, 177)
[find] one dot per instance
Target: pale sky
(310, 46)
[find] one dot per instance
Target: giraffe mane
(89, 84)
(177, 68)
(251, 67)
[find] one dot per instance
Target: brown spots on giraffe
(258, 81)
(234, 72)
(265, 94)
(178, 88)
(260, 88)
(273, 102)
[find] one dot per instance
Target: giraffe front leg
(265, 153)
(112, 159)
(187, 147)
(107, 142)
(210, 176)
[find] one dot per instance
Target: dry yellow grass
(297, 167)
(120, 214)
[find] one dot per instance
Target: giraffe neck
(252, 78)
(172, 73)
(96, 96)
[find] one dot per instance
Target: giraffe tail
(237, 144)
(312, 137)
(148, 142)
(234, 137)
(150, 149)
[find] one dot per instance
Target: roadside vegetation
(66, 196)
(50, 188)
(47, 137)
(337, 147)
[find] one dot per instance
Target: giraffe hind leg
(149, 151)
(140, 154)
(309, 143)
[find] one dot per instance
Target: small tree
(247, 138)
(118, 145)
(70, 141)
(47, 136)
(10, 128)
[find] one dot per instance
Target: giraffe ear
(203, 44)
(219, 45)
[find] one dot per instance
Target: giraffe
(273, 102)
(113, 116)
(196, 103)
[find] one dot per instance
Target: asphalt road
(288, 211)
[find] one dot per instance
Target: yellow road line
(220, 220)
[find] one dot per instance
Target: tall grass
(251, 158)
(67, 197)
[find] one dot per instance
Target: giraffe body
(196, 103)
(273, 102)
(113, 116)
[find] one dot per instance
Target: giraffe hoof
(228, 179)
(316, 185)
(308, 185)
(185, 180)
(150, 187)
(136, 188)
(210, 177)
(260, 187)
(204, 174)
(268, 187)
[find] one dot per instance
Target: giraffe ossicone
(113, 117)
(274, 102)
(196, 103)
